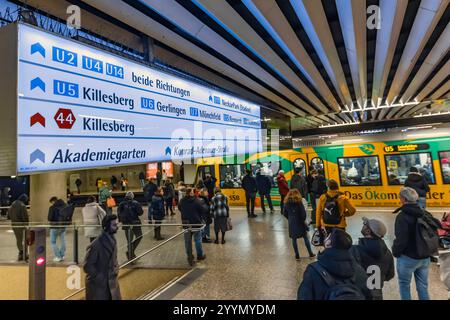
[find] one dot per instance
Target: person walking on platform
(93, 215)
(103, 196)
(220, 212)
(210, 183)
(264, 186)
(191, 213)
(19, 220)
(335, 275)
(318, 188)
(158, 177)
(78, 183)
(113, 183)
(101, 265)
(332, 209)
(156, 212)
(4, 201)
(149, 190)
(299, 183)
(409, 260)
(250, 188)
(56, 219)
(283, 188)
(207, 220)
(371, 250)
(142, 178)
(129, 211)
(295, 212)
(169, 195)
(418, 182)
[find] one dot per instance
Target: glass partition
(444, 157)
(231, 175)
(359, 171)
(398, 166)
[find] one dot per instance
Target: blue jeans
(422, 202)
(206, 233)
(406, 267)
(54, 234)
(198, 243)
(307, 244)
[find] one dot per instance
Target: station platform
(257, 262)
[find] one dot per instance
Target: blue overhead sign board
(80, 107)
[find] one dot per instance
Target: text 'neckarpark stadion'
(224, 150)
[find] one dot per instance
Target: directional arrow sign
(37, 82)
(37, 47)
(168, 151)
(37, 155)
(37, 118)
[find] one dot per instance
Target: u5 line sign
(79, 107)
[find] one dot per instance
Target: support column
(42, 188)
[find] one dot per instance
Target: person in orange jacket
(332, 209)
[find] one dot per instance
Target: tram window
(444, 159)
(398, 165)
(300, 164)
(231, 175)
(203, 171)
(270, 169)
(359, 171)
(317, 164)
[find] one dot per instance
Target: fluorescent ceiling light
(347, 141)
(431, 114)
(338, 124)
(431, 135)
(383, 107)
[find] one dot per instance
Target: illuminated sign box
(407, 147)
(78, 107)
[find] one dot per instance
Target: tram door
(300, 162)
(317, 161)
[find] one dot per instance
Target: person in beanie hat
(129, 211)
(335, 264)
(371, 250)
(101, 265)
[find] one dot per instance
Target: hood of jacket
(412, 209)
(337, 262)
(415, 177)
(374, 248)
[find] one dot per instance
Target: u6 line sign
(80, 107)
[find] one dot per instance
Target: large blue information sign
(80, 107)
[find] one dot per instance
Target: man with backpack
(415, 241)
(318, 186)
(264, 186)
(371, 251)
(332, 209)
(59, 215)
(129, 212)
(299, 183)
(250, 187)
(149, 190)
(335, 275)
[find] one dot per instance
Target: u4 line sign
(80, 107)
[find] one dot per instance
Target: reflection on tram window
(317, 164)
(359, 171)
(268, 169)
(300, 164)
(398, 166)
(444, 159)
(231, 175)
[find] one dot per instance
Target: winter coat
(102, 269)
(169, 191)
(418, 182)
(53, 212)
(309, 181)
(263, 184)
(318, 185)
(444, 260)
(191, 210)
(249, 184)
(299, 183)
(283, 186)
(104, 194)
(93, 215)
(4, 198)
(141, 176)
(405, 231)
(129, 211)
(296, 215)
(18, 213)
(345, 208)
(219, 206)
(210, 184)
(340, 265)
(149, 190)
(206, 215)
(156, 208)
(373, 251)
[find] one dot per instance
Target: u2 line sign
(80, 107)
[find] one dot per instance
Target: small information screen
(406, 147)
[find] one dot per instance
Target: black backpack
(331, 214)
(338, 289)
(427, 238)
(65, 214)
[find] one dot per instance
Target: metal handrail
(141, 255)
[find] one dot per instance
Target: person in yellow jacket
(326, 202)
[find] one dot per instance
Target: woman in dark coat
(295, 212)
(156, 212)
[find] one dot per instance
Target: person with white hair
(409, 260)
